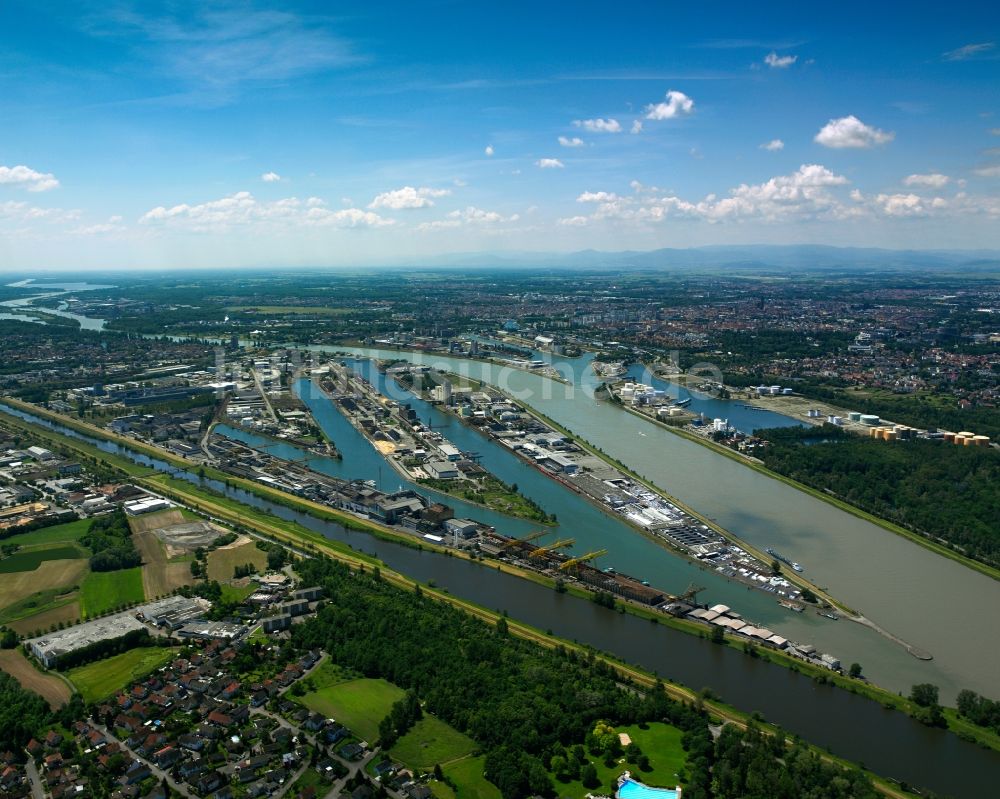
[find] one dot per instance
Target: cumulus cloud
(17, 211)
(676, 104)
(270, 177)
(775, 61)
(636, 126)
(549, 163)
(243, 209)
(597, 197)
(900, 205)
(407, 198)
(773, 146)
(599, 125)
(934, 180)
(574, 221)
(575, 141)
(988, 171)
(470, 216)
(489, 150)
(27, 178)
(850, 131)
(968, 51)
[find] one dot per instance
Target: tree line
(526, 707)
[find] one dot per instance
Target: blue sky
(227, 134)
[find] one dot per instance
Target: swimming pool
(630, 789)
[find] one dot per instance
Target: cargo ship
(778, 556)
(682, 403)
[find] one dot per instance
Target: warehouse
(53, 646)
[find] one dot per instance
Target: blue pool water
(630, 789)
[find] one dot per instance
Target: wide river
(927, 600)
(890, 743)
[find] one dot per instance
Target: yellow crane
(527, 539)
(565, 542)
(574, 562)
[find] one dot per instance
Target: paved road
(37, 791)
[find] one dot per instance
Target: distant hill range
(750, 257)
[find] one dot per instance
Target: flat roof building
(51, 647)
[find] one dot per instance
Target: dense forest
(22, 714)
(525, 705)
(943, 491)
(110, 540)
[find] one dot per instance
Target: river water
(890, 743)
(927, 600)
(18, 306)
(933, 603)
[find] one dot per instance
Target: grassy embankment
(302, 538)
(99, 680)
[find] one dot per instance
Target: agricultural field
(50, 687)
(30, 559)
(99, 680)
(661, 743)
(431, 742)
(65, 610)
(153, 521)
(359, 704)
(104, 591)
(223, 561)
(160, 574)
(19, 591)
(58, 534)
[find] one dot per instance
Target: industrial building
(211, 629)
(51, 647)
(174, 611)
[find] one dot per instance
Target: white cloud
(243, 209)
(775, 61)
(636, 126)
(677, 104)
(17, 211)
(489, 150)
(900, 205)
(968, 51)
(345, 218)
(27, 178)
(773, 146)
(599, 125)
(597, 197)
(470, 216)
(988, 171)
(549, 163)
(574, 221)
(270, 177)
(994, 131)
(850, 131)
(570, 142)
(407, 198)
(935, 180)
(805, 194)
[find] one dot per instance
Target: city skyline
(224, 135)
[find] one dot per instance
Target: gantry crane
(692, 591)
(526, 540)
(546, 548)
(572, 563)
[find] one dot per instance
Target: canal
(888, 742)
(929, 601)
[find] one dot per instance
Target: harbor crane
(546, 548)
(692, 592)
(572, 563)
(527, 539)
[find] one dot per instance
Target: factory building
(51, 647)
